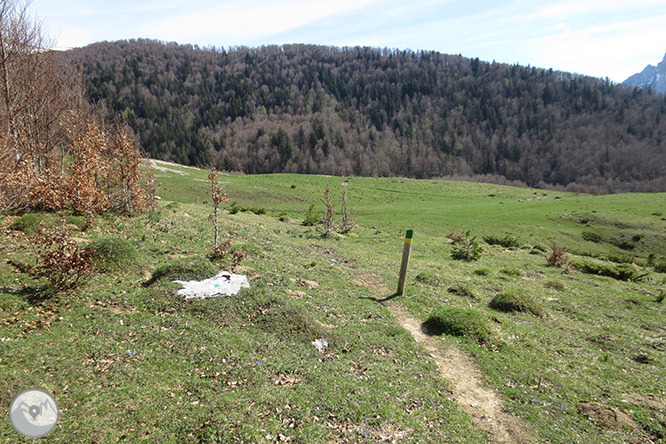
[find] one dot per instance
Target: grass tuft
(79, 221)
(426, 277)
(620, 272)
(507, 241)
(511, 301)
(27, 223)
(456, 321)
(482, 271)
(186, 268)
(113, 254)
(464, 290)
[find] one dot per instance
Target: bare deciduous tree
(45, 117)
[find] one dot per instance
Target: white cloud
(72, 38)
(616, 50)
(247, 22)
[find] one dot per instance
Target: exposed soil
(482, 403)
(608, 417)
(649, 400)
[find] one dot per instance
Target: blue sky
(602, 38)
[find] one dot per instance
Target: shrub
(347, 222)
(456, 321)
(238, 256)
(509, 301)
(464, 290)
(468, 250)
(592, 236)
(113, 254)
(330, 212)
(456, 238)
(185, 268)
(621, 272)
(621, 258)
(234, 208)
(507, 241)
(221, 251)
(312, 217)
(59, 260)
(558, 257)
(218, 195)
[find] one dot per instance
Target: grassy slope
(244, 369)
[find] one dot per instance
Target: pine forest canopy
(379, 112)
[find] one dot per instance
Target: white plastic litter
(320, 344)
(222, 284)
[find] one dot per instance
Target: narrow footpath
(482, 403)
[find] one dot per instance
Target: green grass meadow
(130, 362)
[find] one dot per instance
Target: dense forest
(379, 112)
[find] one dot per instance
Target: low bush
(457, 321)
(59, 260)
(257, 210)
(456, 238)
(558, 257)
(186, 268)
(467, 250)
(113, 254)
(511, 301)
(621, 258)
(221, 251)
(234, 208)
(507, 241)
(312, 217)
(621, 272)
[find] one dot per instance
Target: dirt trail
(482, 403)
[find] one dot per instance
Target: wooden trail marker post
(405, 261)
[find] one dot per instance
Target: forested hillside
(363, 111)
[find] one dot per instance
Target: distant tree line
(379, 112)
